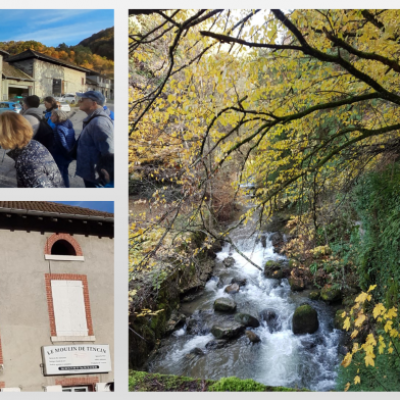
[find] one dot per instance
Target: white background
(120, 193)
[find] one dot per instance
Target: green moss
(140, 381)
(314, 295)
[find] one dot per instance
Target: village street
(7, 170)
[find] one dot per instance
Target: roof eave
(17, 78)
(5, 210)
(32, 55)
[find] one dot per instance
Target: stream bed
(281, 358)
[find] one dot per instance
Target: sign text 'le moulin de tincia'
(76, 359)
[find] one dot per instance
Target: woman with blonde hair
(34, 164)
(64, 142)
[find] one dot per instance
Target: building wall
(25, 65)
(74, 80)
(8, 82)
(44, 73)
(24, 315)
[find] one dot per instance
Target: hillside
(101, 43)
(93, 57)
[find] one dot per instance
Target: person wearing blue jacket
(109, 113)
(51, 104)
(64, 142)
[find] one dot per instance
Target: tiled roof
(48, 206)
(11, 72)
(4, 53)
(27, 54)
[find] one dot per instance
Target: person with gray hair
(64, 142)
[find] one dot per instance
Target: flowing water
(281, 358)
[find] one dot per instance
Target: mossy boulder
(227, 330)
(314, 295)
(254, 338)
(275, 269)
(225, 304)
(305, 320)
(247, 320)
(296, 284)
(331, 295)
(339, 320)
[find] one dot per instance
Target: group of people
(43, 144)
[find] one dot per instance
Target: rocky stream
(245, 324)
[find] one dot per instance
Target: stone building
(3, 54)
(56, 297)
(51, 76)
(101, 84)
(15, 82)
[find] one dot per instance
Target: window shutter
(69, 308)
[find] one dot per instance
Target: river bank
(140, 381)
(185, 337)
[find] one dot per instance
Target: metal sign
(76, 359)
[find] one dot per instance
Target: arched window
(63, 248)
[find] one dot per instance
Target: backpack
(44, 134)
(74, 151)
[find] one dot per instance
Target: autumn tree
(318, 105)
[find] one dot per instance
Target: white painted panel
(69, 308)
(10, 390)
(101, 387)
(55, 388)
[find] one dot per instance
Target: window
(62, 247)
(75, 389)
(69, 308)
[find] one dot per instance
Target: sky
(107, 206)
(52, 27)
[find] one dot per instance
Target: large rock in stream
(305, 320)
(247, 320)
(225, 304)
(254, 338)
(275, 269)
(232, 289)
(227, 330)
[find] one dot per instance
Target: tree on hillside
(319, 105)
